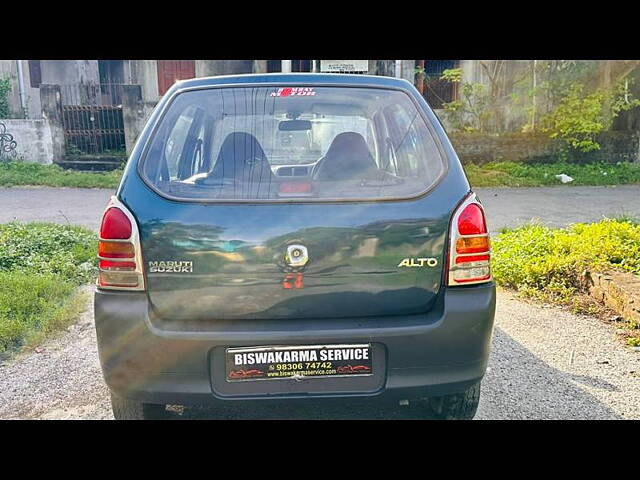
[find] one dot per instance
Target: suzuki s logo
(296, 256)
(419, 262)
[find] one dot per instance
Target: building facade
(97, 107)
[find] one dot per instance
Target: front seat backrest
(242, 161)
(347, 157)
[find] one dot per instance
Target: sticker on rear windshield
(293, 92)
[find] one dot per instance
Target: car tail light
(120, 259)
(470, 247)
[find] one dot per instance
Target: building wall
(480, 148)
(70, 72)
(33, 139)
(209, 68)
(9, 70)
(145, 73)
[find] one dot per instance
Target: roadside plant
(570, 100)
(43, 248)
(5, 88)
(41, 266)
(581, 116)
(548, 263)
(484, 107)
(469, 113)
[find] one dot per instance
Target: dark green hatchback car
(299, 237)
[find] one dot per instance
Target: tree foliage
(572, 100)
(5, 88)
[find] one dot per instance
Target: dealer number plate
(301, 361)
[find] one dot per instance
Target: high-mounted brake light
(295, 187)
(120, 260)
(470, 248)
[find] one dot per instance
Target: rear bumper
(441, 352)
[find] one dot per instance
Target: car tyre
(458, 406)
(124, 409)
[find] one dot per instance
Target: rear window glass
(261, 143)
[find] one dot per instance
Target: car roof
(296, 78)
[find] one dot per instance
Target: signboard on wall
(344, 66)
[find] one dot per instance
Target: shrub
(5, 88)
(41, 265)
(548, 263)
(44, 248)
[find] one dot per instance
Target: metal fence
(92, 119)
(438, 92)
(92, 94)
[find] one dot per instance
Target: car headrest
(347, 156)
(242, 158)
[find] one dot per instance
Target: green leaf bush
(548, 263)
(41, 265)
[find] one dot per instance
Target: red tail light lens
(470, 247)
(119, 256)
(115, 225)
(125, 266)
(471, 220)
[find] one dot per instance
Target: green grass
(23, 173)
(41, 267)
(548, 264)
(494, 174)
(511, 174)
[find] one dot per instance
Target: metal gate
(92, 119)
(436, 91)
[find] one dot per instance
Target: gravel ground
(546, 364)
(506, 207)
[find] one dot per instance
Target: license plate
(308, 361)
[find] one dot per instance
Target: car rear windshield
(292, 143)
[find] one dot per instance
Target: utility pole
(23, 99)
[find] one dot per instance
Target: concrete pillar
(132, 114)
(51, 102)
(259, 66)
(409, 70)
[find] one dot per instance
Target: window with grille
(35, 74)
(436, 91)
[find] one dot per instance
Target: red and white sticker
(293, 92)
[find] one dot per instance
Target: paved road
(546, 363)
(557, 206)
(77, 206)
(506, 207)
